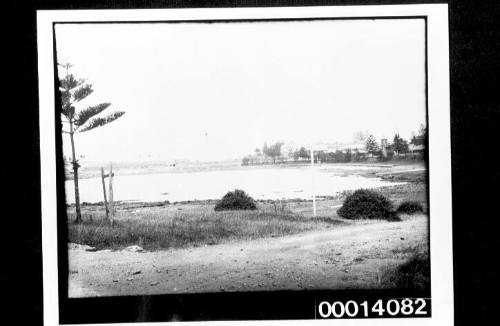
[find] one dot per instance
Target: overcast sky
(218, 91)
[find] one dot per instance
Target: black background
(475, 113)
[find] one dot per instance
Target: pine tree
(72, 91)
(371, 145)
(400, 145)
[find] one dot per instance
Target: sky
(217, 91)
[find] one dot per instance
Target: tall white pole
(312, 185)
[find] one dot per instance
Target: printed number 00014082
(392, 307)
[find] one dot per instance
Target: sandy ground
(352, 256)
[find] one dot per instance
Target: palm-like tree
(72, 91)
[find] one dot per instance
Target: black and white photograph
(249, 152)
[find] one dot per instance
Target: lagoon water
(262, 183)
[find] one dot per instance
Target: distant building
(416, 148)
(342, 147)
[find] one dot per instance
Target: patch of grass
(414, 274)
(156, 228)
(415, 192)
(413, 176)
(162, 225)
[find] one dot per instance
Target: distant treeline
(368, 149)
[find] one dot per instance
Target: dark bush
(245, 161)
(347, 156)
(367, 204)
(236, 200)
(410, 207)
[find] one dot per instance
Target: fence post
(111, 208)
(312, 183)
(104, 193)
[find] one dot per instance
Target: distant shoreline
(139, 168)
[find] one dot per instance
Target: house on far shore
(416, 149)
(342, 147)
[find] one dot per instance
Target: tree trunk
(75, 177)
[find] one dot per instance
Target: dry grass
(413, 274)
(408, 192)
(175, 226)
(165, 225)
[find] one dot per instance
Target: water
(272, 183)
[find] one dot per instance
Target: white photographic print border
(438, 125)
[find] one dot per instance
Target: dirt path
(340, 257)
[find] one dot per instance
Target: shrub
(236, 200)
(245, 161)
(344, 194)
(367, 204)
(347, 156)
(410, 207)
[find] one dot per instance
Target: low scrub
(410, 207)
(367, 204)
(236, 200)
(414, 274)
(187, 225)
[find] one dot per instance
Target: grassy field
(196, 224)
(155, 226)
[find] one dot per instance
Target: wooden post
(111, 208)
(104, 193)
(312, 186)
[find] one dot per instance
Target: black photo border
(219, 306)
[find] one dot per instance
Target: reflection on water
(269, 183)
